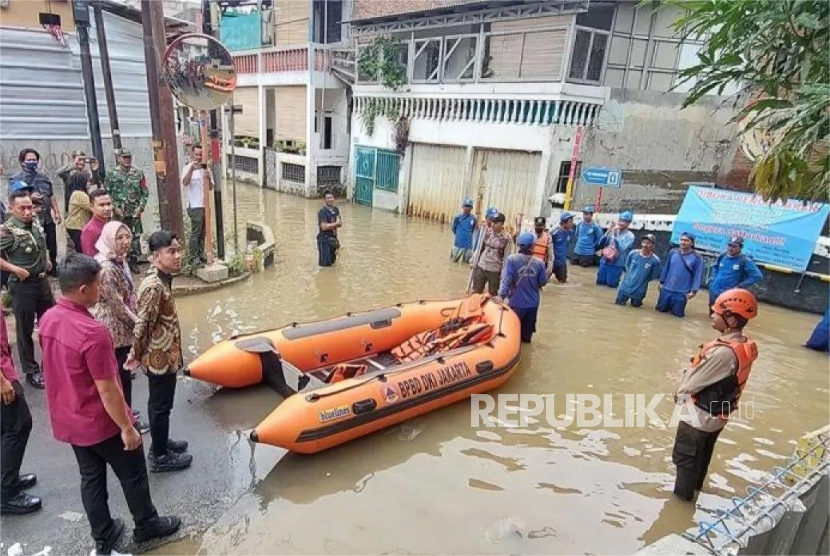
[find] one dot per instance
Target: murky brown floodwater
(437, 485)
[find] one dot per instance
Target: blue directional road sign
(602, 177)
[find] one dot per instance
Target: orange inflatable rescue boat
(349, 376)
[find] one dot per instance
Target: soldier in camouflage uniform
(26, 259)
(127, 187)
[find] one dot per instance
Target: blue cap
(467, 202)
(589, 208)
(566, 216)
(737, 240)
(689, 235)
(627, 216)
(525, 240)
(491, 212)
(21, 185)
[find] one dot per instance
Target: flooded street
(438, 485)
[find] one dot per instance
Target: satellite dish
(199, 71)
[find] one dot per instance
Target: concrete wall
(659, 148)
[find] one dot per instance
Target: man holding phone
(127, 187)
(194, 178)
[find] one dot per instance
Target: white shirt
(195, 191)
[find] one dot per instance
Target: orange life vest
(441, 339)
(721, 398)
(540, 247)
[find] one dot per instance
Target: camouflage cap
(123, 152)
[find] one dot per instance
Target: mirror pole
(216, 150)
(206, 192)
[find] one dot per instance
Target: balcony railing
(534, 112)
(279, 59)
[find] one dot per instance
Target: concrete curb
(184, 291)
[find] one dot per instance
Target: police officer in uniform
(127, 187)
(23, 246)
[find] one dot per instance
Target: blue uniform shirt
(622, 243)
(639, 271)
(561, 238)
(733, 272)
(588, 237)
(463, 226)
(522, 278)
(682, 272)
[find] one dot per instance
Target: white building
(500, 97)
(293, 132)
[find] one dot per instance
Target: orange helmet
(738, 301)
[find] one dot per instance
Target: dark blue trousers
(672, 302)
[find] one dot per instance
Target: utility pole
(216, 153)
(165, 152)
(80, 11)
(103, 53)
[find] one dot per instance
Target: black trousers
(126, 376)
(131, 470)
(527, 319)
(159, 405)
(489, 278)
(75, 236)
(30, 298)
(327, 254)
(50, 230)
(15, 426)
(692, 453)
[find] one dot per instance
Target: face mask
(31, 165)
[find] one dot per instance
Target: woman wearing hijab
(117, 305)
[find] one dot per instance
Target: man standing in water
(488, 263)
(733, 269)
(615, 244)
(524, 277)
(328, 221)
(542, 247)
(641, 267)
(463, 227)
(561, 238)
(588, 236)
(681, 277)
(195, 176)
(710, 390)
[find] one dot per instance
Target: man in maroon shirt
(87, 408)
(101, 214)
(16, 424)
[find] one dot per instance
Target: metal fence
(328, 176)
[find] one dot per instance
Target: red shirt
(77, 351)
(90, 234)
(6, 361)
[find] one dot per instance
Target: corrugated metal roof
(41, 87)
(372, 10)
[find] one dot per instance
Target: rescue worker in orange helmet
(543, 244)
(709, 391)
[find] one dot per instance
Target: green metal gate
(375, 168)
(364, 180)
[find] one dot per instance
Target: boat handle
(364, 406)
(381, 323)
(484, 367)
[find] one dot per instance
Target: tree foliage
(777, 51)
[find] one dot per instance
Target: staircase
(342, 64)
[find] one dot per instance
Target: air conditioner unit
(4, 3)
